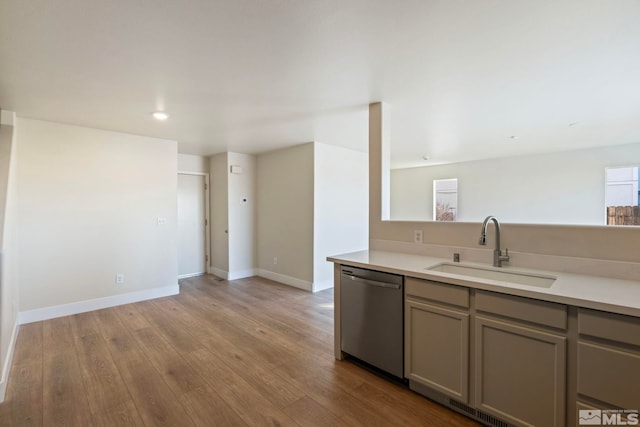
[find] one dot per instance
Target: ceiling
(464, 79)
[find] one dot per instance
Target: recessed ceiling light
(160, 115)
(514, 137)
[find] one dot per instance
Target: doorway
(193, 224)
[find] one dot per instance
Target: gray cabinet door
(437, 348)
(520, 373)
(609, 374)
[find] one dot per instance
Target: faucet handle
(505, 257)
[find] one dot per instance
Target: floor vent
(485, 418)
(465, 408)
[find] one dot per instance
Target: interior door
(191, 225)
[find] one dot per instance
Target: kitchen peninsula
(471, 343)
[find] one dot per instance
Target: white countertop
(599, 293)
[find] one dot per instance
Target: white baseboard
(287, 280)
(233, 275)
(321, 286)
(6, 368)
(220, 273)
(186, 276)
(95, 304)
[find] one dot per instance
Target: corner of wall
(322, 285)
(8, 261)
(6, 366)
(287, 280)
(219, 211)
(242, 205)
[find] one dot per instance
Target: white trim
(219, 272)
(234, 275)
(321, 286)
(207, 216)
(95, 304)
(186, 276)
(287, 280)
(193, 173)
(6, 369)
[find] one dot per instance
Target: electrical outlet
(162, 221)
(275, 260)
(119, 279)
(417, 236)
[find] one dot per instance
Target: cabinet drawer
(529, 310)
(615, 327)
(609, 375)
(436, 291)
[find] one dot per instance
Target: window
(445, 199)
(621, 196)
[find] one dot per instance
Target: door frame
(207, 217)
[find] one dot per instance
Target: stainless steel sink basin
(509, 276)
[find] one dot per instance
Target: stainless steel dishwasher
(372, 319)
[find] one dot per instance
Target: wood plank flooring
(249, 352)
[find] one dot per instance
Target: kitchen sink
(501, 275)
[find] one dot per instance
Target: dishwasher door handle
(371, 282)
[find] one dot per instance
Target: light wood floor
(247, 352)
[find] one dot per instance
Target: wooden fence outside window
(623, 215)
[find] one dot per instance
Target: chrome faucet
(498, 258)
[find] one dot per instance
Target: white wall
(562, 188)
(341, 207)
(7, 117)
(242, 215)
(285, 215)
(219, 199)
(88, 208)
(9, 255)
(6, 139)
(191, 163)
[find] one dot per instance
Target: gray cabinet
(508, 359)
(519, 373)
(520, 359)
(437, 337)
(511, 369)
(437, 353)
(608, 362)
